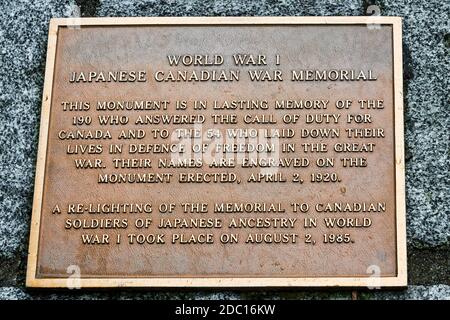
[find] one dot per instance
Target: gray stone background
(426, 46)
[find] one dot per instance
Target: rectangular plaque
(221, 152)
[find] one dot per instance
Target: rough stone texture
(229, 8)
(428, 266)
(435, 292)
(23, 35)
(426, 36)
(427, 128)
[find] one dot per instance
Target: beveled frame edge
(400, 280)
(400, 195)
(31, 280)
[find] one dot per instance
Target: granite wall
(426, 45)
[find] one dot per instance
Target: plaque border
(400, 280)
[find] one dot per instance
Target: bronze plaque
(221, 152)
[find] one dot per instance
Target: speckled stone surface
(426, 36)
(23, 35)
(427, 127)
(434, 292)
